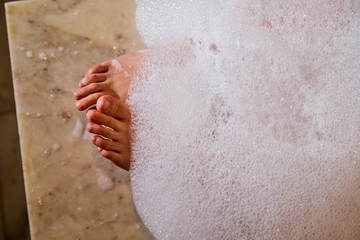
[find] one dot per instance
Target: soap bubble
(246, 119)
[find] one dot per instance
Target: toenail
(106, 105)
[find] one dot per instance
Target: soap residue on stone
(105, 183)
(56, 146)
(246, 120)
(78, 129)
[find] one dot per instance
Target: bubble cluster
(246, 119)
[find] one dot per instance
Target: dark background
(13, 213)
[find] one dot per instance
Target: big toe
(113, 107)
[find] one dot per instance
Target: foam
(246, 120)
(116, 64)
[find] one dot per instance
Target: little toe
(116, 158)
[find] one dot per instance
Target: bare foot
(110, 121)
(112, 78)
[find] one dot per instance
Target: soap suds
(115, 63)
(246, 121)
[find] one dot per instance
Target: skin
(107, 79)
(113, 141)
(106, 85)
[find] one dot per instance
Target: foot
(110, 122)
(112, 78)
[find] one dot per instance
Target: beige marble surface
(71, 193)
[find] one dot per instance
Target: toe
(113, 107)
(93, 78)
(116, 158)
(100, 68)
(101, 119)
(102, 131)
(88, 101)
(89, 89)
(105, 143)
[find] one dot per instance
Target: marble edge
(10, 27)
(11, 35)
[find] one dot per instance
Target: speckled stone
(52, 44)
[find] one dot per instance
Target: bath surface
(71, 192)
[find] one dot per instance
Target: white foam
(246, 120)
(116, 64)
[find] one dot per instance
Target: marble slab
(71, 192)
